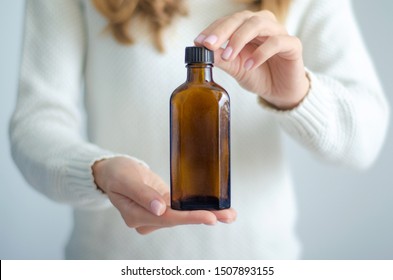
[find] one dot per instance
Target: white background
(343, 214)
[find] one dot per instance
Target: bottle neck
(199, 72)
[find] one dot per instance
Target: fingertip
(226, 216)
(233, 213)
(206, 217)
(210, 40)
(227, 220)
(142, 231)
(198, 41)
(211, 221)
(157, 207)
(226, 54)
(146, 230)
(248, 65)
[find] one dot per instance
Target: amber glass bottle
(200, 138)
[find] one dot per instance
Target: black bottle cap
(199, 55)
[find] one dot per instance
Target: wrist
(97, 170)
(287, 104)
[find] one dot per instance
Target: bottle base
(201, 203)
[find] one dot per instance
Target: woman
(308, 74)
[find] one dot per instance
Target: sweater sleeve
(344, 117)
(45, 130)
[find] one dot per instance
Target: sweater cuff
(307, 121)
(80, 181)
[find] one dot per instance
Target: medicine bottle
(200, 138)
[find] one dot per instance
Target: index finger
(215, 35)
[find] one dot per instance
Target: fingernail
(249, 64)
(211, 223)
(212, 39)
(227, 221)
(227, 53)
(157, 207)
(200, 39)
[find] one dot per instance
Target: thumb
(235, 66)
(230, 67)
(146, 196)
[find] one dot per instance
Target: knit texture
(69, 58)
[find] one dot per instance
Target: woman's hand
(142, 197)
(260, 55)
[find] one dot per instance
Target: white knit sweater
(126, 96)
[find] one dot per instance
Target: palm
(132, 187)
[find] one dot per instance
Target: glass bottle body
(200, 142)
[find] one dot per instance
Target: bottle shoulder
(206, 87)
